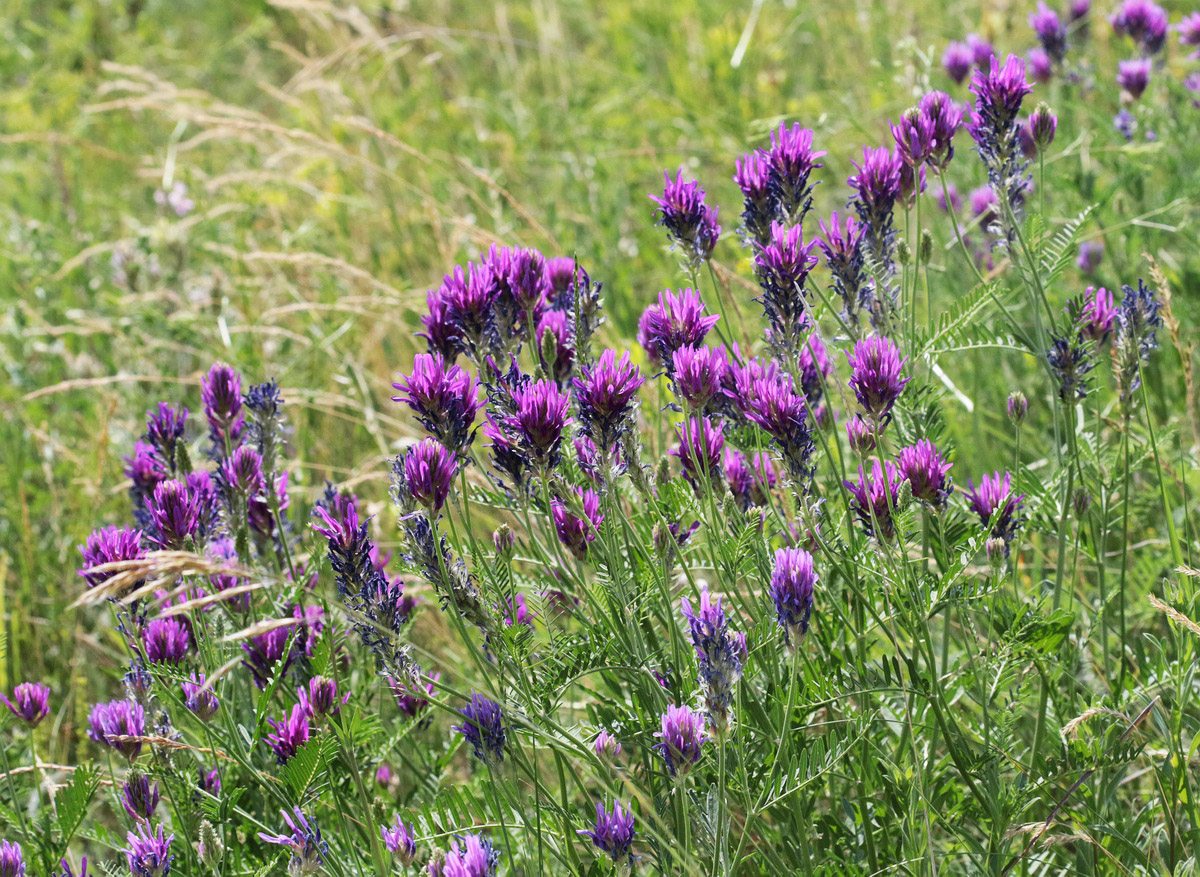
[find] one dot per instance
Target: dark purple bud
(944, 117)
(606, 746)
(791, 163)
(957, 61)
(1091, 253)
(165, 430)
(982, 53)
(412, 697)
(199, 697)
(175, 511)
(924, 467)
(1050, 32)
(320, 698)
(1018, 407)
(30, 702)
(12, 860)
(1133, 76)
(504, 540)
(138, 797)
(221, 390)
(752, 173)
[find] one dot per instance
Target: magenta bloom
(924, 467)
(945, 118)
(12, 860)
(875, 378)
(304, 841)
(166, 641)
(575, 532)
(682, 736)
(783, 266)
(1189, 33)
(30, 702)
(752, 173)
(1143, 21)
(444, 399)
(1041, 68)
(475, 858)
(874, 499)
(719, 654)
(613, 832)
(699, 374)
(999, 92)
(441, 332)
(399, 841)
(429, 471)
(782, 413)
(914, 137)
(982, 52)
(108, 545)
(139, 798)
(165, 429)
(877, 181)
(997, 506)
(1050, 31)
(957, 61)
(691, 224)
(541, 418)
(842, 247)
(606, 746)
(412, 697)
(118, 718)
(699, 451)
(791, 163)
(1099, 311)
(674, 321)
(792, 584)
(471, 299)
(144, 470)
(199, 698)
(320, 698)
(483, 728)
(175, 511)
(860, 435)
(149, 855)
(289, 734)
(221, 390)
(1091, 253)
(1133, 76)
(605, 393)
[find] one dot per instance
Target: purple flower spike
(399, 841)
(691, 224)
(752, 173)
(860, 435)
(166, 641)
(1143, 21)
(289, 734)
(558, 324)
(945, 118)
(1189, 33)
(699, 451)
(999, 93)
(924, 467)
(772, 404)
(429, 471)
(605, 393)
(1039, 65)
(175, 511)
(719, 653)
(1133, 76)
(475, 858)
(118, 718)
(997, 506)
(914, 137)
(1138, 320)
(1042, 126)
(613, 833)
(165, 430)
(144, 470)
(792, 161)
(879, 182)
(304, 841)
(483, 728)
(875, 377)
(1099, 313)
(577, 533)
(682, 737)
(982, 53)
(221, 390)
(699, 373)
(606, 746)
(320, 698)
(444, 398)
(874, 499)
(957, 61)
(199, 699)
(12, 860)
(139, 798)
(541, 418)
(412, 698)
(471, 298)
(30, 702)
(441, 332)
(1091, 254)
(149, 854)
(842, 247)
(674, 321)
(783, 266)
(1050, 32)
(560, 274)
(792, 584)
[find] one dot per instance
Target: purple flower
(118, 718)
(739, 477)
(606, 746)
(875, 376)
(30, 702)
(1017, 407)
(1189, 33)
(560, 274)
(149, 855)
(996, 505)
(1039, 65)
(441, 332)
(399, 841)
(924, 467)
(1091, 253)
(605, 393)
(320, 698)
(878, 185)
(166, 641)
(264, 651)
(699, 451)
(690, 223)
(209, 781)
(199, 698)
(1133, 76)
(517, 612)
(944, 117)
(999, 92)
(982, 52)
(12, 861)
(674, 321)
(558, 325)
(289, 734)
(1050, 32)
(783, 266)
(772, 404)
(699, 373)
(1042, 125)
(165, 430)
(444, 399)
(470, 299)
(983, 206)
(613, 832)
(791, 163)
(175, 511)
(67, 870)
(874, 499)
(304, 840)
(792, 584)
(957, 61)
(138, 797)
(682, 736)
(1071, 355)
(1138, 320)
(412, 696)
(842, 247)
(914, 137)
(144, 470)
(483, 728)
(1144, 22)
(541, 417)
(520, 279)
(475, 858)
(718, 657)
(860, 435)
(429, 471)
(221, 390)
(575, 532)
(752, 173)
(1099, 312)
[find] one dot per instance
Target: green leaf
(71, 803)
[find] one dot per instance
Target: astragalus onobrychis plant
(717, 600)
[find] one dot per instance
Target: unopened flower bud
(504, 541)
(997, 554)
(662, 475)
(1018, 407)
(1042, 125)
(209, 846)
(926, 246)
(1081, 501)
(903, 252)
